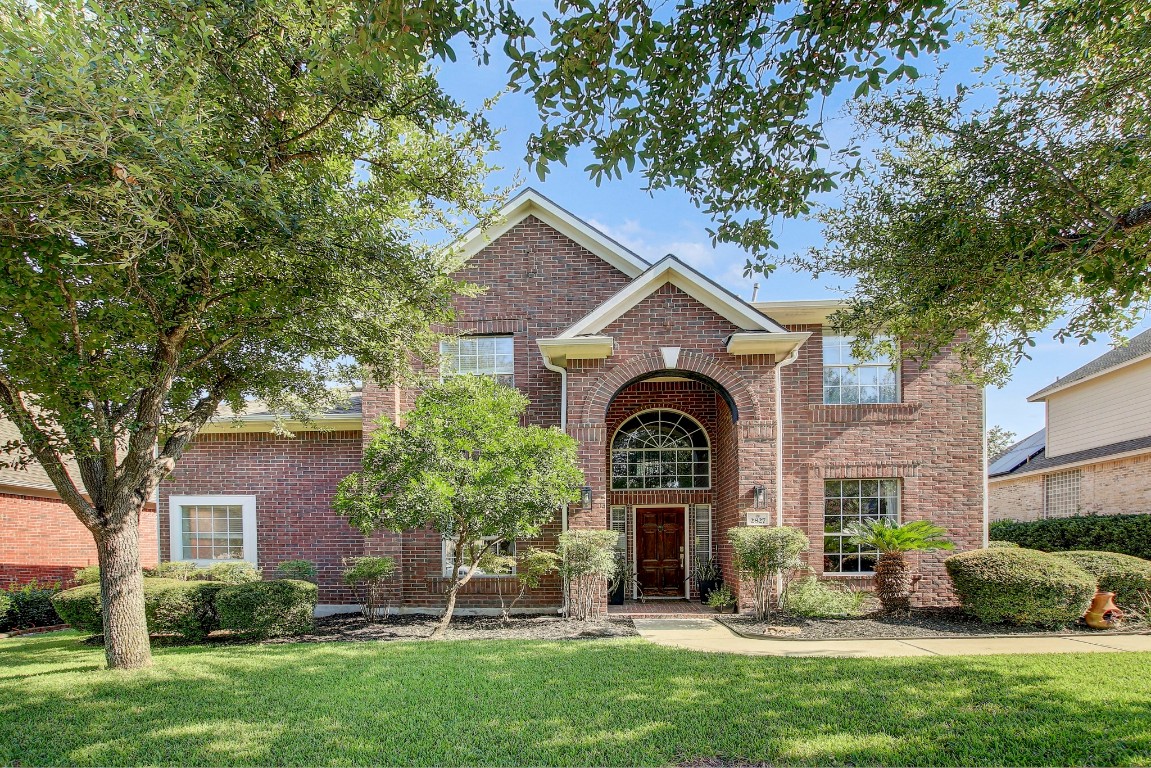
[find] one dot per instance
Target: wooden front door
(660, 551)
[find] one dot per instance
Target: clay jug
(1103, 613)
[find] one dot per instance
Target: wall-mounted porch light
(759, 497)
(585, 497)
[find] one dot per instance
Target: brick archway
(741, 398)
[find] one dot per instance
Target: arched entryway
(671, 472)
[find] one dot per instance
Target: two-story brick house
(694, 411)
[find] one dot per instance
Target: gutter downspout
(563, 372)
(791, 357)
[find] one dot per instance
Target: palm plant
(892, 571)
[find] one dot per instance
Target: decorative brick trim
(863, 470)
(870, 413)
(756, 430)
(487, 585)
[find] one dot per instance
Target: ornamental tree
(463, 466)
(893, 574)
(763, 555)
(205, 202)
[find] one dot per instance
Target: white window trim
(898, 521)
(247, 506)
(444, 375)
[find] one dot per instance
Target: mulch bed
(939, 622)
(352, 626)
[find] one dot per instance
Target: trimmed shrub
(230, 573)
(1125, 534)
(1128, 577)
(171, 606)
(763, 553)
(301, 570)
(268, 608)
(817, 599)
(1020, 586)
(89, 574)
(1001, 544)
(5, 606)
(29, 605)
(180, 570)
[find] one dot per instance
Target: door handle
(681, 557)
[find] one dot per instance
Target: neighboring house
(1094, 456)
(694, 410)
(41, 539)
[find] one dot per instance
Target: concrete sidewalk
(709, 635)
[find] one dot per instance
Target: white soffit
(560, 350)
(532, 203)
(672, 270)
(807, 312)
(765, 343)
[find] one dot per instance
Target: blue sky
(667, 222)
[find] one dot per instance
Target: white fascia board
(671, 270)
(806, 312)
(532, 203)
(1047, 392)
(765, 343)
(559, 351)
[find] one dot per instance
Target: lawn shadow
(610, 702)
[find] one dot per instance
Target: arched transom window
(660, 449)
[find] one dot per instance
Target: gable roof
(669, 269)
(1137, 349)
(531, 203)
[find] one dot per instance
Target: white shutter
(619, 525)
(702, 526)
(449, 559)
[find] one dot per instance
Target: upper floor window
(660, 449)
(1061, 493)
(480, 355)
(849, 381)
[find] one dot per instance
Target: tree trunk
(893, 582)
(442, 628)
(122, 595)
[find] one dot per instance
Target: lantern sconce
(585, 497)
(759, 496)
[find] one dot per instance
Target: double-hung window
(851, 381)
(854, 501)
(212, 529)
(481, 356)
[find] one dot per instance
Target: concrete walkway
(709, 635)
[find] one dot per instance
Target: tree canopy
(463, 466)
(988, 213)
(204, 202)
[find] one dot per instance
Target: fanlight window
(660, 449)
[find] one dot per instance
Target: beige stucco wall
(1105, 410)
(1120, 487)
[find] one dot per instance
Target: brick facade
(1116, 487)
(539, 282)
(41, 539)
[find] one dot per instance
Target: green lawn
(606, 702)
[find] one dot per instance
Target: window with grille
(479, 355)
(213, 528)
(1061, 493)
(850, 381)
(660, 449)
(854, 501)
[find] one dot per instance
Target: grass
(611, 702)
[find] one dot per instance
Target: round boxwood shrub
(29, 605)
(1020, 586)
(993, 544)
(1124, 575)
(267, 608)
(171, 606)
